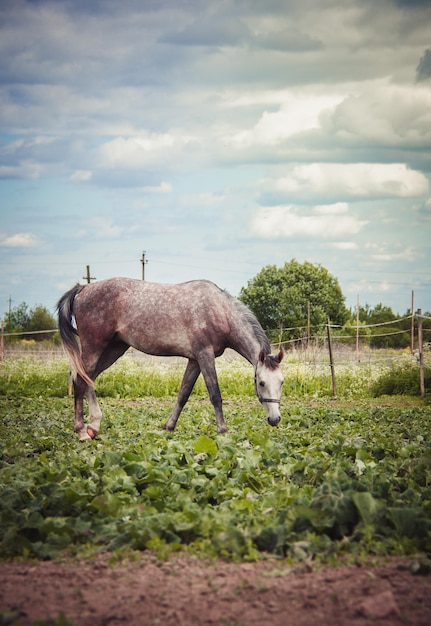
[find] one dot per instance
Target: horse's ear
(280, 356)
(262, 356)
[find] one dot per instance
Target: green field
(350, 476)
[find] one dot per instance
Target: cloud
(286, 40)
(81, 176)
(143, 150)
(19, 240)
(104, 228)
(210, 30)
(24, 169)
(379, 113)
(298, 113)
(389, 253)
(163, 188)
(366, 286)
(329, 222)
(299, 123)
(348, 180)
(344, 245)
(423, 70)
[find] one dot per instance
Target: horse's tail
(69, 334)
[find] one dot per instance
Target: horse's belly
(167, 343)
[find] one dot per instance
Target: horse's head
(269, 382)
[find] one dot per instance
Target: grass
(133, 377)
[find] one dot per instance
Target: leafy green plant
(402, 379)
(329, 480)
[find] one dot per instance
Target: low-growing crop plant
(346, 477)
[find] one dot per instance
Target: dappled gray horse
(98, 322)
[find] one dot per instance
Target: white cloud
(81, 176)
(366, 286)
(344, 245)
(19, 240)
(25, 169)
(163, 188)
(391, 252)
(104, 228)
(329, 222)
(298, 113)
(142, 150)
(352, 180)
(379, 113)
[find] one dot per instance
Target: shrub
(401, 380)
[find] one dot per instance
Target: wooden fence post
(412, 327)
(331, 361)
(2, 342)
(358, 358)
(421, 354)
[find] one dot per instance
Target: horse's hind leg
(80, 387)
(100, 362)
(190, 377)
(95, 413)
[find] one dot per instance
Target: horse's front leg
(208, 369)
(190, 377)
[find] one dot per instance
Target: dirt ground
(186, 591)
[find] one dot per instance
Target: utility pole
(144, 262)
(88, 278)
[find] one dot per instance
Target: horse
(197, 320)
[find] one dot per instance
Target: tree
(21, 319)
(382, 336)
(279, 297)
(378, 315)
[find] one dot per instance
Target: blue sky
(219, 138)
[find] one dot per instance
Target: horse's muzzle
(274, 420)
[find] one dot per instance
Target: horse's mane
(250, 319)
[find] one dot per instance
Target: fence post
(358, 358)
(2, 342)
(421, 354)
(331, 361)
(412, 327)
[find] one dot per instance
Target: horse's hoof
(92, 433)
(84, 436)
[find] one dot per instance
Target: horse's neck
(246, 344)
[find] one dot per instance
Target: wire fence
(328, 345)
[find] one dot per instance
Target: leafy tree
(279, 297)
(17, 318)
(378, 315)
(385, 336)
(21, 319)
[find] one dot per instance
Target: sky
(218, 138)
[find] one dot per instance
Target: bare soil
(186, 591)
